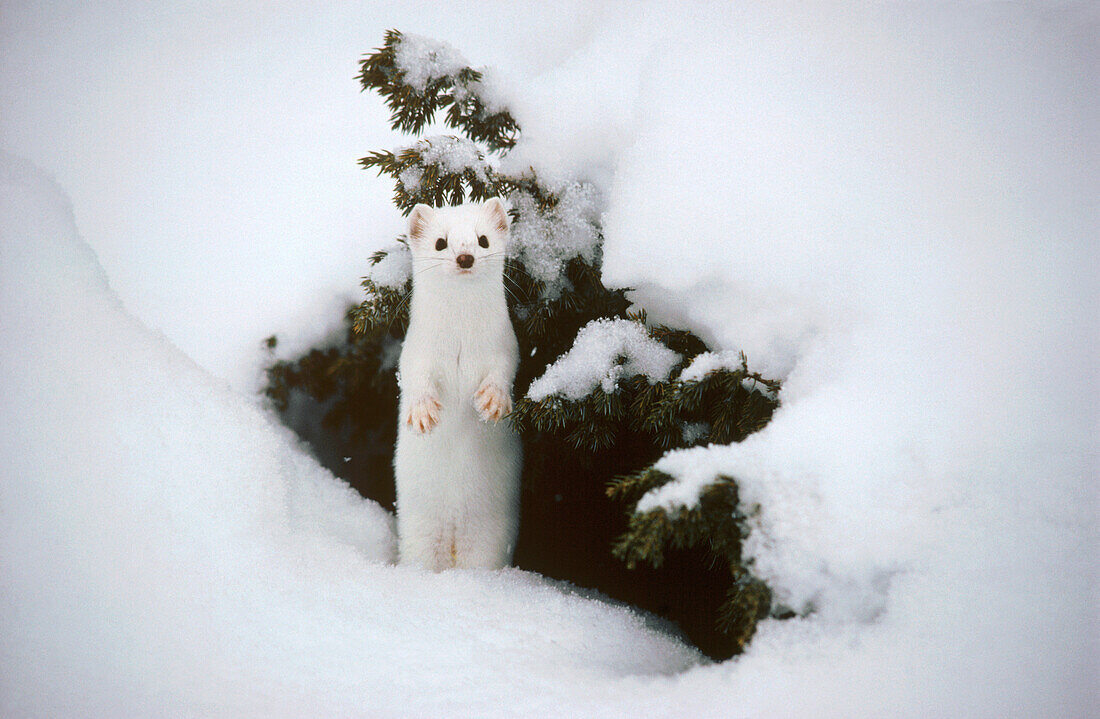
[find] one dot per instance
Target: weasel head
(464, 243)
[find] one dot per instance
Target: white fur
(457, 465)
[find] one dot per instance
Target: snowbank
(891, 211)
(168, 550)
(873, 220)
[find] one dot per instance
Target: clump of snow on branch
(708, 362)
(546, 240)
(488, 91)
(453, 154)
(605, 352)
(692, 432)
(692, 470)
(394, 269)
(424, 60)
(410, 178)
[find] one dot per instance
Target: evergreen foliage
(413, 108)
(720, 408)
(587, 461)
(715, 525)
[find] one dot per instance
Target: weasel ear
(494, 207)
(419, 219)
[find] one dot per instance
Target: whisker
(517, 267)
(517, 289)
(513, 294)
(397, 312)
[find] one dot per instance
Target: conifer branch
(412, 109)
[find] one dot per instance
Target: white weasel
(457, 465)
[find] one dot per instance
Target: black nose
(465, 261)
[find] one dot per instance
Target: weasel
(456, 464)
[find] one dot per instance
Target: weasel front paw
(424, 414)
(492, 402)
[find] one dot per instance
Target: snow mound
(604, 352)
(869, 215)
(169, 550)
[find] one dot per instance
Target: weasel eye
(440, 244)
(483, 240)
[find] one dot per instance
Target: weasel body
(457, 465)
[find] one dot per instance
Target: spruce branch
(412, 108)
(715, 523)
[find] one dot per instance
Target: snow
(706, 362)
(410, 178)
(604, 352)
(546, 241)
(394, 269)
(692, 432)
(169, 549)
(891, 244)
(607, 351)
(454, 154)
(891, 208)
(424, 60)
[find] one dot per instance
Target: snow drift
(168, 550)
(888, 236)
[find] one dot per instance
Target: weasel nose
(465, 261)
